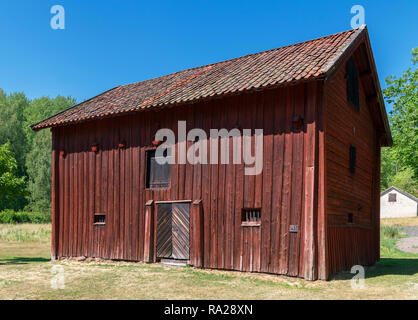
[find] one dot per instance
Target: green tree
(11, 186)
(402, 159)
(42, 108)
(38, 160)
(404, 180)
(12, 119)
(389, 168)
(39, 172)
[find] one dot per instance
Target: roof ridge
(301, 61)
(338, 55)
(244, 56)
(405, 193)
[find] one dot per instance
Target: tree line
(25, 155)
(400, 162)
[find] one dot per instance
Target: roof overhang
(375, 97)
(113, 103)
(393, 188)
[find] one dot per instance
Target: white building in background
(395, 203)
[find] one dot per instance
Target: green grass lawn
(26, 273)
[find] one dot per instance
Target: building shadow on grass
(22, 260)
(386, 266)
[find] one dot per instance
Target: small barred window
(251, 217)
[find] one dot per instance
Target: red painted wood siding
(357, 243)
(112, 181)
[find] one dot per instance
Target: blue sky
(109, 43)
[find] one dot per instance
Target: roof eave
(406, 194)
(332, 67)
(387, 139)
(38, 126)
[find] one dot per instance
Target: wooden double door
(173, 230)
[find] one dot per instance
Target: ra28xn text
(212, 310)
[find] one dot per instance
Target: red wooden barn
(312, 211)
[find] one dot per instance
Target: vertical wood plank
(214, 184)
(221, 120)
(197, 234)
(322, 190)
(297, 180)
(239, 193)
(61, 191)
(310, 192)
(55, 196)
(149, 232)
(286, 187)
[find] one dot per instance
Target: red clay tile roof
(298, 62)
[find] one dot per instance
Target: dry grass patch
(110, 280)
(400, 222)
(26, 273)
(25, 232)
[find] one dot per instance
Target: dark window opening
(251, 217)
(353, 155)
(392, 197)
(99, 218)
(158, 175)
(352, 84)
(350, 218)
